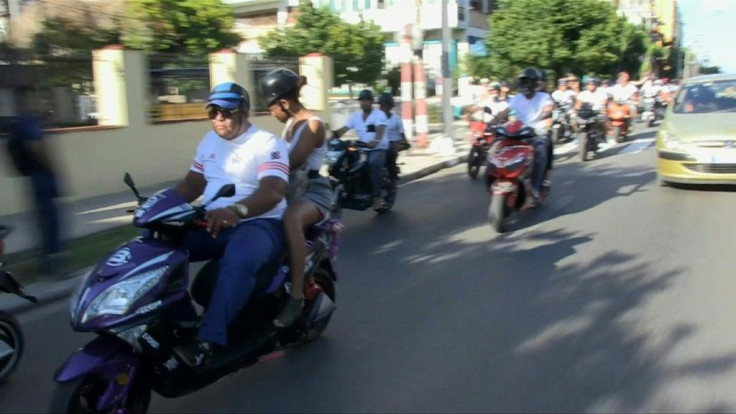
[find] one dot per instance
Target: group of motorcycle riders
(280, 191)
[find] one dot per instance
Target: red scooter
(509, 172)
(480, 139)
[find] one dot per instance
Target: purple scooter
(137, 301)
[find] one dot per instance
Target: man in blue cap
(244, 231)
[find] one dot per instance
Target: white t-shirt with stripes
(242, 161)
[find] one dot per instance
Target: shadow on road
(520, 322)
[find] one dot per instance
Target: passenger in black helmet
(309, 193)
(245, 231)
(534, 109)
(542, 83)
(370, 125)
(394, 134)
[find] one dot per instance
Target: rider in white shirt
(534, 108)
(370, 125)
(624, 91)
(244, 232)
(492, 100)
(651, 87)
(394, 134)
(596, 97)
(563, 95)
(593, 95)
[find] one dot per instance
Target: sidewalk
(89, 216)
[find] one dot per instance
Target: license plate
(723, 158)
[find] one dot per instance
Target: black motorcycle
(590, 132)
(561, 123)
(11, 335)
(348, 167)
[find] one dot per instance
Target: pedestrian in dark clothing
(32, 158)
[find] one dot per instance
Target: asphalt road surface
(615, 295)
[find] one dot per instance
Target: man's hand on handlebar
(220, 219)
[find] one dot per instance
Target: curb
(47, 292)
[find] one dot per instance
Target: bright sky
(710, 30)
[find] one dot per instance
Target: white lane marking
(572, 146)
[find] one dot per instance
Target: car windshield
(706, 97)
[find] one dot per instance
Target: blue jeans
(242, 251)
(542, 160)
(376, 163)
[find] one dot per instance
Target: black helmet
(529, 73)
(592, 79)
(528, 81)
(542, 78)
(278, 83)
(365, 94)
(229, 95)
(386, 98)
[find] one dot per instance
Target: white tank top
(317, 156)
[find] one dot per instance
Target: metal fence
(260, 67)
(179, 85)
(60, 87)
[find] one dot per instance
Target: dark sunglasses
(226, 114)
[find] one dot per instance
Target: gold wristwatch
(239, 209)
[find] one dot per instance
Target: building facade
(468, 20)
(662, 19)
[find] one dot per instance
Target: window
(381, 5)
(708, 97)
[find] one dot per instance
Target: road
(616, 295)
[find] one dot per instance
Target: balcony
(478, 20)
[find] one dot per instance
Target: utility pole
(445, 144)
(420, 85)
(407, 114)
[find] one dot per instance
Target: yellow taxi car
(696, 143)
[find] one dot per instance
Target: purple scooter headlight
(118, 298)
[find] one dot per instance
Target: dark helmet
(528, 81)
(229, 95)
(365, 94)
(529, 73)
(542, 74)
(386, 98)
(278, 83)
(496, 86)
(591, 79)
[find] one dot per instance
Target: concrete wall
(94, 159)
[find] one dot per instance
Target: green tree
(562, 36)
(194, 27)
(356, 49)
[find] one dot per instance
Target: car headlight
(671, 142)
(116, 299)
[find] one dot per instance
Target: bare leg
(298, 216)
